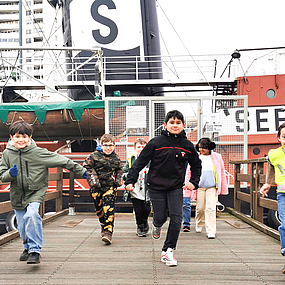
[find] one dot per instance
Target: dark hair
(279, 130)
(174, 114)
(140, 140)
(107, 138)
(21, 128)
(205, 143)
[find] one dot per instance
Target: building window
(28, 32)
(28, 41)
(28, 13)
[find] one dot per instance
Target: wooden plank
(240, 255)
(14, 234)
(59, 187)
(260, 226)
(51, 195)
(268, 203)
(262, 178)
(244, 177)
(236, 188)
(54, 176)
(246, 161)
(5, 207)
(244, 197)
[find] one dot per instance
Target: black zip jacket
(168, 155)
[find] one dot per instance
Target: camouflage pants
(105, 207)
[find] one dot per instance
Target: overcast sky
(220, 26)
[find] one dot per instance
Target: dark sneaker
(141, 233)
(156, 232)
(186, 229)
(146, 228)
(25, 255)
(34, 258)
(102, 231)
(107, 237)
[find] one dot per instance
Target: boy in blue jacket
(168, 154)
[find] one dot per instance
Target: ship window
(270, 93)
(256, 151)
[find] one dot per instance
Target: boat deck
(73, 253)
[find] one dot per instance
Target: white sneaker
(198, 229)
(168, 258)
(211, 236)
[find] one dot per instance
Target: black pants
(142, 210)
(172, 201)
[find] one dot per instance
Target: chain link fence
(220, 118)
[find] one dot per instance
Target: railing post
(258, 211)
(59, 185)
(42, 209)
(252, 190)
(71, 193)
(236, 188)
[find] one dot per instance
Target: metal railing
(54, 68)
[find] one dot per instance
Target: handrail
(5, 207)
(255, 179)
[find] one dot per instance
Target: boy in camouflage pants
(104, 176)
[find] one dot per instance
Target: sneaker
(34, 258)
(156, 231)
(186, 229)
(146, 228)
(140, 233)
(198, 229)
(107, 237)
(168, 258)
(211, 236)
(25, 255)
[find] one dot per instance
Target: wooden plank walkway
(74, 254)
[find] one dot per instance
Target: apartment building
(29, 23)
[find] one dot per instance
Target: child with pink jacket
(212, 183)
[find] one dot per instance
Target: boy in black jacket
(169, 154)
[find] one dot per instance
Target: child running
(168, 154)
(139, 196)
(275, 170)
(26, 166)
(104, 176)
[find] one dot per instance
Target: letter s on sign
(238, 120)
(105, 21)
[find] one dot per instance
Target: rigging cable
(183, 43)
(40, 32)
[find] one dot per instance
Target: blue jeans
(30, 227)
(172, 201)
(281, 212)
(186, 211)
